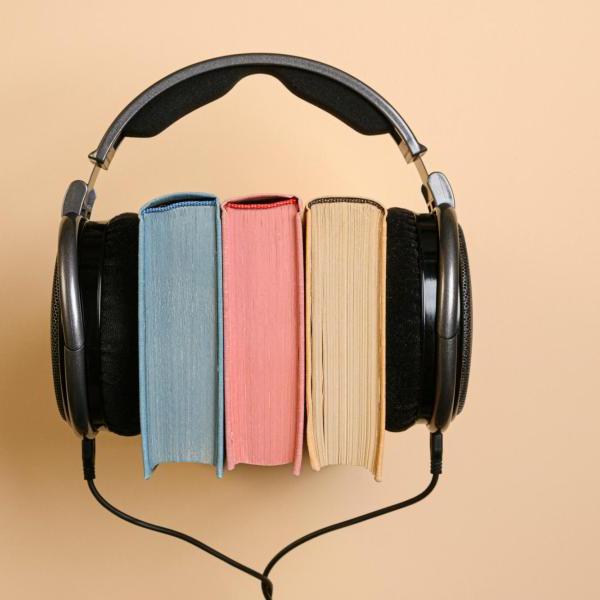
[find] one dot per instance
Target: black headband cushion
(404, 361)
(119, 326)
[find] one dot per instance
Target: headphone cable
(436, 453)
(88, 452)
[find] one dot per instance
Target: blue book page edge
(161, 204)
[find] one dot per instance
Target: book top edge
(337, 200)
(179, 200)
(262, 202)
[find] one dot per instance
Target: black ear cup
(119, 326)
(107, 259)
(404, 343)
(411, 339)
(466, 330)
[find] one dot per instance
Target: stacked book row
(262, 326)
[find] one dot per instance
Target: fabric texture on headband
(404, 361)
(119, 326)
(181, 331)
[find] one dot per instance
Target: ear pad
(466, 331)
(404, 360)
(119, 326)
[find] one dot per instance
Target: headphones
(94, 299)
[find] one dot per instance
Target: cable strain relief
(436, 449)
(267, 588)
(88, 457)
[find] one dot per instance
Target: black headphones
(94, 299)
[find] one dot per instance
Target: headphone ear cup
(119, 326)
(404, 327)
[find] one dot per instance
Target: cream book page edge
(310, 433)
(378, 472)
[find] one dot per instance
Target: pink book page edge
(239, 448)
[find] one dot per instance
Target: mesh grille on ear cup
(55, 341)
(119, 326)
(404, 364)
(466, 333)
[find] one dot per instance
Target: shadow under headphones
(94, 325)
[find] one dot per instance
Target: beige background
(506, 96)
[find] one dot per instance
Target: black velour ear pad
(119, 326)
(466, 326)
(404, 360)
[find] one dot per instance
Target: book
(263, 286)
(345, 341)
(181, 331)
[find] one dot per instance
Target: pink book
(263, 312)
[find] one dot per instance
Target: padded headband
(331, 89)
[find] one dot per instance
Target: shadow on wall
(31, 432)
(41, 456)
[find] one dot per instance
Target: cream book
(345, 336)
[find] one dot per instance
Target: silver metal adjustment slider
(80, 196)
(436, 189)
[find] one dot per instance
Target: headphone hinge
(77, 198)
(438, 191)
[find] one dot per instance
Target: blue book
(181, 331)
